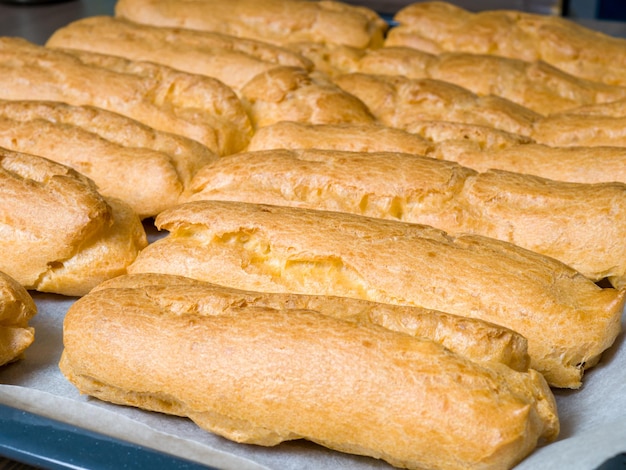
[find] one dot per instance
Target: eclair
(476, 339)
(538, 214)
(141, 166)
(536, 85)
(440, 26)
(478, 147)
(262, 375)
(16, 310)
(567, 319)
(195, 106)
(398, 101)
(59, 234)
(232, 60)
(275, 21)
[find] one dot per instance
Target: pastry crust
(197, 107)
(118, 153)
(275, 21)
(586, 165)
(439, 26)
(589, 126)
(349, 137)
(485, 137)
(478, 147)
(294, 373)
(534, 85)
(293, 94)
(16, 310)
(285, 249)
(58, 234)
(400, 102)
(541, 215)
(232, 60)
(475, 339)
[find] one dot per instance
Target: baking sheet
(593, 418)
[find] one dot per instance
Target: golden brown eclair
(58, 233)
(440, 26)
(261, 375)
(16, 309)
(232, 60)
(478, 147)
(478, 340)
(398, 101)
(582, 225)
(568, 320)
(583, 127)
(198, 107)
(129, 161)
(346, 136)
(293, 94)
(536, 85)
(275, 21)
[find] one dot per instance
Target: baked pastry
(478, 147)
(275, 21)
(58, 234)
(232, 60)
(580, 130)
(285, 249)
(538, 214)
(596, 125)
(535, 85)
(397, 101)
(291, 373)
(439, 26)
(616, 108)
(16, 309)
(129, 161)
(293, 94)
(331, 59)
(475, 339)
(198, 107)
(485, 137)
(573, 164)
(350, 137)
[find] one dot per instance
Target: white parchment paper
(593, 418)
